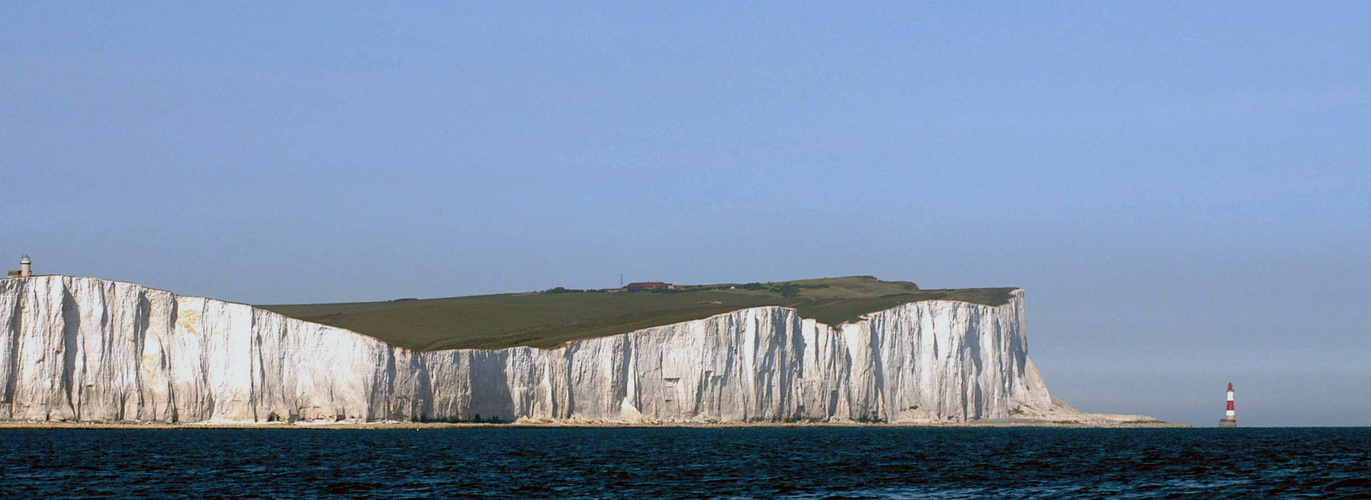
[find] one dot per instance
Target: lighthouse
(1230, 418)
(25, 269)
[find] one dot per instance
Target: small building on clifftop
(25, 269)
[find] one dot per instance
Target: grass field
(551, 318)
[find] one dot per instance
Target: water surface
(865, 462)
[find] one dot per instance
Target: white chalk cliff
(87, 349)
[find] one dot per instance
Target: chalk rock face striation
(87, 349)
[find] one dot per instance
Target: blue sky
(1182, 189)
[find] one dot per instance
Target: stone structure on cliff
(86, 349)
(25, 269)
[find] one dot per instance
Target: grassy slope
(543, 319)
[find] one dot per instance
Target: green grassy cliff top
(554, 317)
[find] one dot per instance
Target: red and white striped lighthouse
(1230, 418)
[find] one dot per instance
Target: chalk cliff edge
(76, 349)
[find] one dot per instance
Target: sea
(732, 462)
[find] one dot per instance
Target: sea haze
(829, 462)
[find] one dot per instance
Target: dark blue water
(686, 463)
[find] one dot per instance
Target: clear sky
(1183, 189)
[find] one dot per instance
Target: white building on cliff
(25, 269)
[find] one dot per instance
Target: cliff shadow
(71, 337)
(491, 399)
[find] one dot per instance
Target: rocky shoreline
(999, 424)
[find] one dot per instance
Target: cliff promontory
(93, 350)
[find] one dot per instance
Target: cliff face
(86, 349)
